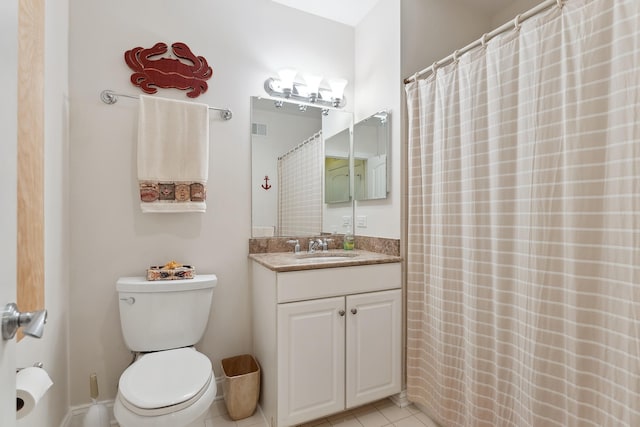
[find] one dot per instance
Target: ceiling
(351, 12)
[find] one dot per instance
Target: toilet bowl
(170, 384)
(166, 389)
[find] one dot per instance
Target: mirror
(371, 138)
(288, 145)
(336, 168)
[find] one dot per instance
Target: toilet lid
(165, 378)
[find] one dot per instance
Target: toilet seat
(166, 381)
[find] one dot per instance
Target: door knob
(32, 322)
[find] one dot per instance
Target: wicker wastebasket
(241, 385)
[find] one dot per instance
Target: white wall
(509, 13)
(245, 42)
(52, 349)
(8, 199)
(378, 87)
(433, 29)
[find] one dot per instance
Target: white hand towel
(173, 155)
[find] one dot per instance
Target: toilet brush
(98, 415)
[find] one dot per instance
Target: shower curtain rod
(486, 37)
(110, 97)
(302, 144)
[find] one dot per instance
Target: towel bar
(110, 97)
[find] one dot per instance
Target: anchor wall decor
(266, 184)
(150, 70)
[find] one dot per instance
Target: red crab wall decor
(151, 71)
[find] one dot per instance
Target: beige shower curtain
(524, 225)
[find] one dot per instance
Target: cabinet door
(374, 341)
(310, 359)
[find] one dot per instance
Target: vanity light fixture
(310, 92)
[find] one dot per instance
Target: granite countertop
(288, 261)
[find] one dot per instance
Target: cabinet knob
(354, 311)
(341, 313)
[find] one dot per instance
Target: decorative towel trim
(172, 192)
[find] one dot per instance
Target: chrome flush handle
(129, 300)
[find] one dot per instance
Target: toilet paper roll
(31, 385)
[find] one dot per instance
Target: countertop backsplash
(260, 245)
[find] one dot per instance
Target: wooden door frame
(30, 245)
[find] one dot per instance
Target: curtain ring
(483, 40)
(456, 56)
(516, 23)
(434, 67)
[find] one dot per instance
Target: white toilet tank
(164, 314)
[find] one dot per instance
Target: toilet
(170, 383)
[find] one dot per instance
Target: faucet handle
(325, 244)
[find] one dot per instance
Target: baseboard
(75, 415)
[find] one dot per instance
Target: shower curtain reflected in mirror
(300, 189)
(524, 226)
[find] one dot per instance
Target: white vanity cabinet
(327, 339)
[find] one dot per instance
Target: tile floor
(218, 417)
(378, 414)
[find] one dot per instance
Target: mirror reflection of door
(336, 188)
(337, 150)
(377, 177)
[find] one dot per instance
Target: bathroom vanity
(327, 332)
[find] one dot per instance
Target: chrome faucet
(314, 244)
